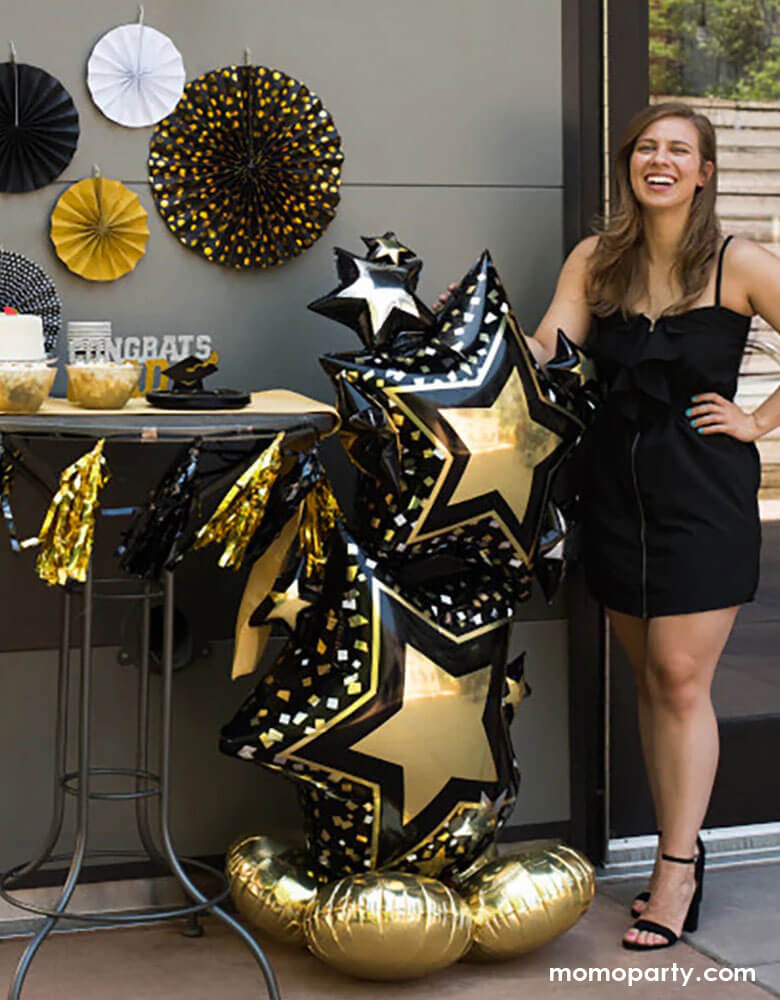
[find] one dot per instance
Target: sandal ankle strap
(682, 861)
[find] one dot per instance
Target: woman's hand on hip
(711, 413)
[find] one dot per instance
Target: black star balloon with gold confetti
(480, 440)
(246, 169)
(571, 378)
(389, 706)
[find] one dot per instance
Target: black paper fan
(246, 170)
(39, 127)
(27, 288)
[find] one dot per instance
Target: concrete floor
(739, 922)
(739, 927)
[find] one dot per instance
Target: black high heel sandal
(645, 893)
(691, 917)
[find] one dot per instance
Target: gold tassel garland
(242, 508)
(321, 510)
(68, 530)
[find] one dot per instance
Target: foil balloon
(550, 565)
(374, 298)
(522, 901)
(388, 249)
(389, 926)
(571, 378)
(479, 439)
(373, 668)
(272, 885)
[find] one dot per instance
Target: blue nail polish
(687, 413)
(699, 429)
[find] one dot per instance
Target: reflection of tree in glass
(718, 48)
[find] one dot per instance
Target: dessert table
(303, 422)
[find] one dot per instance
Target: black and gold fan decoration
(246, 170)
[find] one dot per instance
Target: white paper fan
(135, 75)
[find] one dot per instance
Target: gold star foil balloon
(389, 706)
(246, 169)
(479, 439)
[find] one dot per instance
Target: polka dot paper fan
(27, 288)
(246, 170)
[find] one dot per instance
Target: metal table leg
(142, 745)
(83, 796)
(60, 740)
(147, 785)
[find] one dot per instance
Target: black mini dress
(669, 517)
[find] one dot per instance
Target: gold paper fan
(99, 229)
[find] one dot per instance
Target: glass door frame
(605, 81)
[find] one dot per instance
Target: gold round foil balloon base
(271, 885)
(524, 900)
(388, 926)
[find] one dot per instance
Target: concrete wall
(450, 117)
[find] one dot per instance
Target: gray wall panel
(259, 320)
(421, 92)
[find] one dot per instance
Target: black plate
(214, 399)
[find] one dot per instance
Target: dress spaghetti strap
(720, 269)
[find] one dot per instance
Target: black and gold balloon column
(390, 705)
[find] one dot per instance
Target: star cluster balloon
(374, 298)
(463, 414)
(373, 671)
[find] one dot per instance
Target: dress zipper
(641, 526)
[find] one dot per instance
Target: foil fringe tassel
(241, 510)
(67, 534)
(150, 543)
(320, 513)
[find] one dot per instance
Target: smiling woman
(670, 471)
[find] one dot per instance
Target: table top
(268, 412)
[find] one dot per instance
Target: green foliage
(670, 25)
(734, 44)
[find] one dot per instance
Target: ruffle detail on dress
(648, 364)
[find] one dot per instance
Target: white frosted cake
(21, 337)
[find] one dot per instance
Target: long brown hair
(616, 273)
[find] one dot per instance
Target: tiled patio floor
(739, 926)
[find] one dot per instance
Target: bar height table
(303, 421)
